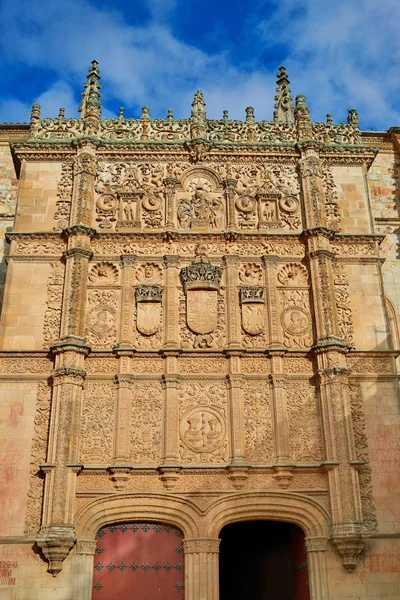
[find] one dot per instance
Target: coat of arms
(148, 304)
(201, 283)
(253, 317)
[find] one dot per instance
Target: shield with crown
(201, 282)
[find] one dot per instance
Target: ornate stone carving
(101, 317)
(258, 422)
(331, 198)
(343, 308)
(214, 339)
(38, 457)
(148, 308)
(293, 275)
(295, 318)
(362, 454)
(52, 316)
(104, 273)
(203, 422)
(304, 422)
(250, 274)
(64, 193)
(145, 423)
(201, 273)
(149, 274)
(130, 196)
(252, 309)
(204, 208)
(97, 423)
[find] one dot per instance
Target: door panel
(140, 561)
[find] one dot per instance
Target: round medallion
(246, 204)
(289, 204)
(295, 321)
(202, 429)
(100, 319)
(151, 202)
(107, 202)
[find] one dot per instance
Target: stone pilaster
(201, 568)
(280, 414)
(77, 256)
(230, 194)
(271, 314)
(127, 302)
(170, 192)
(122, 421)
(236, 414)
(171, 303)
(57, 534)
(85, 167)
(232, 302)
(312, 185)
(317, 571)
(171, 412)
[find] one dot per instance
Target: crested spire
(90, 108)
(198, 117)
(284, 108)
(303, 119)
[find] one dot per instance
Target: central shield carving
(253, 318)
(148, 317)
(202, 310)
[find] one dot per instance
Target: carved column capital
(316, 544)
(86, 547)
(172, 260)
(200, 545)
(128, 260)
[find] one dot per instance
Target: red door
(138, 561)
(300, 566)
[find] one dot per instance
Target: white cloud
(341, 55)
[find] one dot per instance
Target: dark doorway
(263, 560)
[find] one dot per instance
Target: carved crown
(149, 293)
(252, 293)
(201, 274)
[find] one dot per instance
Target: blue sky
(340, 53)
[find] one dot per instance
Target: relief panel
(258, 422)
(97, 422)
(145, 422)
(304, 422)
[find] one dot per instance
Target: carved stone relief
(130, 196)
(295, 306)
(252, 299)
(145, 423)
(343, 308)
(304, 422)
(149, 274)
(101, 317)
(258, 422)
(97, 422)
(203, 422)
(201, 206)
(64, 194)
(104, 273)
(38, 457)
(52, 316)
(362, 453)
(250, 274)
(331, 198)
(148, 313)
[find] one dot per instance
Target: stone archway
(263, 560)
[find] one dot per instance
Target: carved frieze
(304, 422)
(258, 422)
(64, 194)
(97, 422)
(342, 299)
(203, 422)
(145, 422)
(52, 316)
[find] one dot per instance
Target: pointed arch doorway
(143, 561)
(263, 560)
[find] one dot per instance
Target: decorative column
(237, 428)
(171, 303)
(201, 568)
(170, 191)
(232, 303)
(81, 580)
(317, 571)
(284, 461)
(348, 531)
(230, 194)
(272, 324)
(85, 167)
(169, 472)
(127, 302)
(122, 421)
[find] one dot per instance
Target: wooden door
(138, 561)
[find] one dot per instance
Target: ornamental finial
(284, 108)
(303, 119)
(198, 117)
(90, 107)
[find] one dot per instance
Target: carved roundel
(289, 204)
(151, 202)
(295, 321)
(101, 319)
(202, 429)
(246, 204)
(107, 202)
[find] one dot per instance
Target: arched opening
(138, 560)
(263, 560)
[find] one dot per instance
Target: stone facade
(199, 326)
